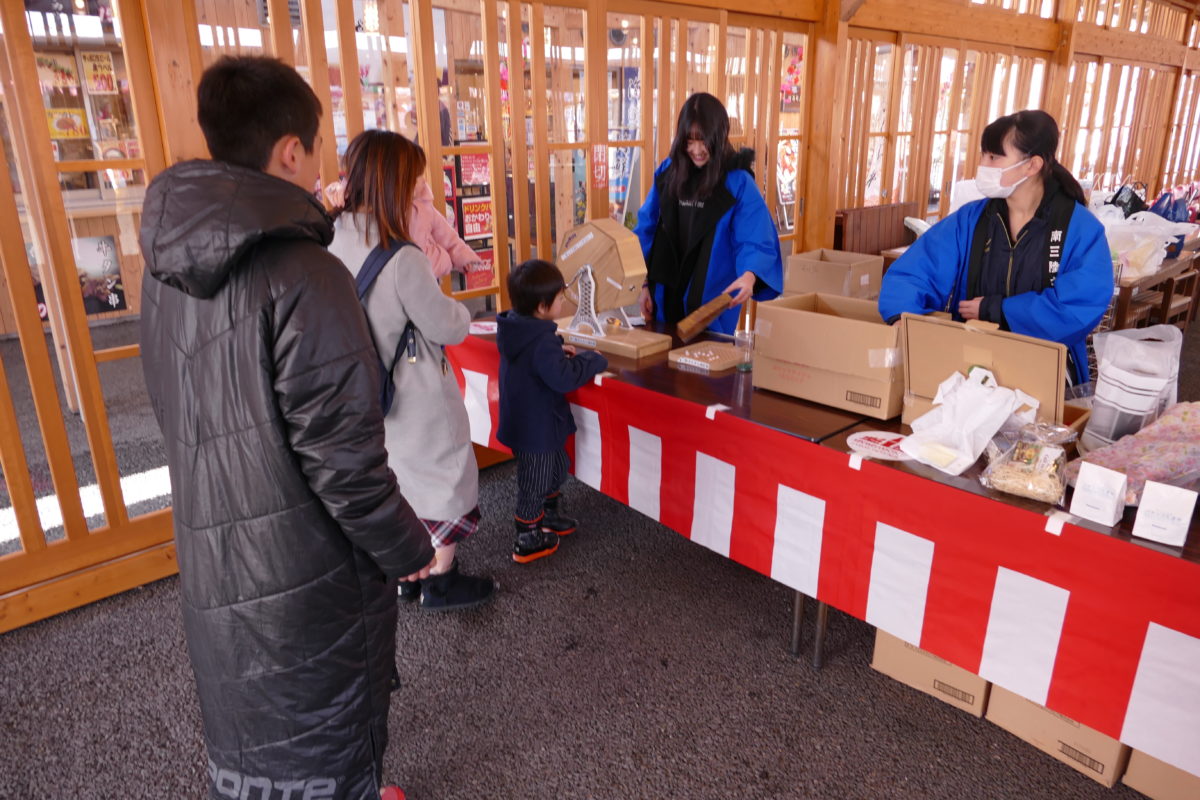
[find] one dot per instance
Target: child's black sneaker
(454, 591)
(408, 590)
(533, 542)
(552, 520)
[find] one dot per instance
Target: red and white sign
(474, 169)
(476, 214)
(878, 444)
(1104, 631)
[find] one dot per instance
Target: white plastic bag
(1137, 379)
(967, 414)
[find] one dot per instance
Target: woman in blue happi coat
(1029, 257)
(704, 227)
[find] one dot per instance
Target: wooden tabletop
(1169, 269)
(780, 412)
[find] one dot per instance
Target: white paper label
(1099, 494)
(1164, 514)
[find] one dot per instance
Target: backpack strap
(371, 268)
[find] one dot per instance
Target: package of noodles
(1033, 466)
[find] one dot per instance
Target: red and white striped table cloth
(1101, 630)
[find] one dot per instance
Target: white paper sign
(1164, 514)
(1099, 494)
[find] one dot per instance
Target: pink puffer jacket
(436, 237)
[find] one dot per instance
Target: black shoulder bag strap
(376, 261)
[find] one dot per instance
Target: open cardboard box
(829, 349)
(833, 272)
(934, 347)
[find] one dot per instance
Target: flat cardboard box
(833, 272)
(829, 349)
(1158, 780)
(632, 343)
(927, 673)
(616, 258)
(1102, 758)
(935, 347)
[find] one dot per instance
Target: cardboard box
(833, 272)
(617, 263)
(829, 349)
(927, 673)
(1158, 780)
(1100, 757)
(935, 347)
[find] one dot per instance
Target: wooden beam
(95, 582)
(957, 20)
(1139, 47)
(827, 46)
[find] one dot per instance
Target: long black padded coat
(289, 527)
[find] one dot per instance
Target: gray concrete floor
(632, 664)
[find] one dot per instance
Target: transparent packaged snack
(1033, 466)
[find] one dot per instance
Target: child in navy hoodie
(536, 371)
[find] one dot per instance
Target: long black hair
(1034, 133)
(702, 117)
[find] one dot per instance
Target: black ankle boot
(552, 520)
(453, 591)
(408, 590)
(533, 541)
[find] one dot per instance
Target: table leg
(797, 618)
(819, 639)
(1121, 313)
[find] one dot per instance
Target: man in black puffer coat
(289, 527)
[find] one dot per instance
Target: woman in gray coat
(427, 429)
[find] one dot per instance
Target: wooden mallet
(690, 326)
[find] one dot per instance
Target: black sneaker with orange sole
(553, 521)
(533, 542)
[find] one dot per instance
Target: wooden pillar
(596, 69)
(351, 84)
(313, 26)
(425, 95)
(828, 43)
(491, 50)
(139, 67)
(1060, 72)
(174, 42)
(518, 98)
(281, 31)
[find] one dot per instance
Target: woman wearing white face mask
(1029, 257)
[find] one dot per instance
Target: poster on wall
(99, 76)
(473, 169)
(99, 274)
(483, 276)
(56, 71)
(476, 216)
(67, 123)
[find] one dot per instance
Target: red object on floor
(392, 793)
